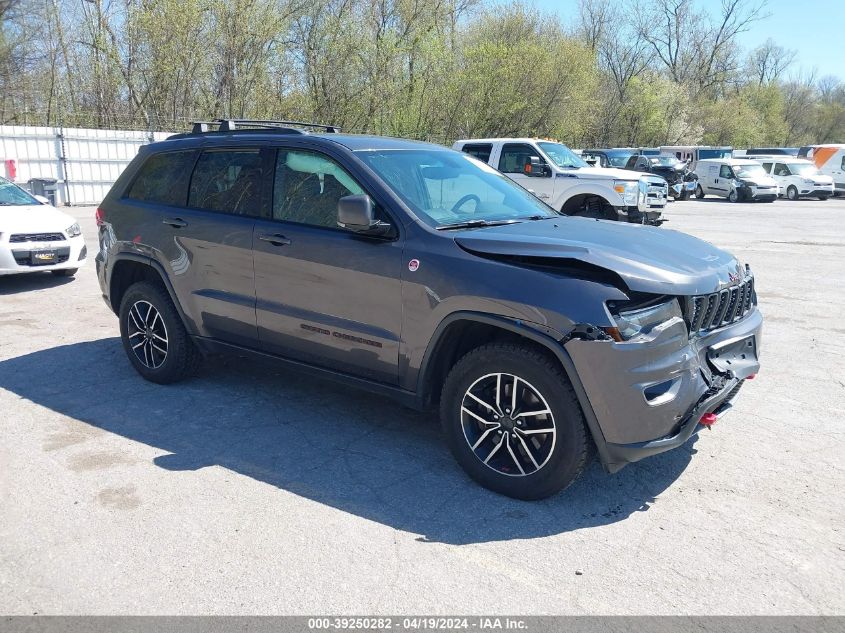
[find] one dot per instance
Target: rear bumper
(648, 397)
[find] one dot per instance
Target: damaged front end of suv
(668, 365)
(680, 336)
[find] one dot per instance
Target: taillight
(98, 217)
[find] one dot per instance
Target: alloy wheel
(147, 334)
(508, 424)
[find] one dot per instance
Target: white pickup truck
(553, 173)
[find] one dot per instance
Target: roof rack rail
(230, 125)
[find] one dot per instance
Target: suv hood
(36, 218)
(648, 259)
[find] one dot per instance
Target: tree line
(630, 72)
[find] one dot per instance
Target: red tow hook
(708, 419)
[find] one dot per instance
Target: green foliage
(629, 72)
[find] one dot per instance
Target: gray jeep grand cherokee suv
(421, 273)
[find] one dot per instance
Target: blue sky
(814, 28)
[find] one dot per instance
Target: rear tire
(154, 337)
(65, 272)
(527, 464)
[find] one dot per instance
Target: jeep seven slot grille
(711, 311)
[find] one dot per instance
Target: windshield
(444, 187)
(12, 195)
(563, 157)
(750, 171)
(803, 169)
(664, 161)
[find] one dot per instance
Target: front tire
(699, 192)
(792, 192)
(733, 196)
(154, 337)
(64, 272)
(513, 422)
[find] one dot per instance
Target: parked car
(613, 157)
(736, 179)
(681, 180)
(424, 274)
(566, 183)
(35, 236)
(799, 178)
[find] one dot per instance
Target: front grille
(36, 237)
(711, 311)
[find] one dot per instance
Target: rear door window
(767, 167)
(481, 151)
(228, 181)
(163, 178)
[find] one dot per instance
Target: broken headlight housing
(639, 321)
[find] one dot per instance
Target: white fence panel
(84, 162)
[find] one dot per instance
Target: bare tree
(769, 61)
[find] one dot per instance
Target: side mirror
(534, 168)
(355, 213)
(42, 199)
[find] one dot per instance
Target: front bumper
(22, 257)
(649, 396)
(758, 193)
(636, 216)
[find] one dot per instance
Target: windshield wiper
(468, 224)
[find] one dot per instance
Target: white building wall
(84, 162)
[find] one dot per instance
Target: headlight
(73, 230)
(808, 181)
(628, 190)
(632, 323)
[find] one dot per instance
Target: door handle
(276, 239)
(176, 223)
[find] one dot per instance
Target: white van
(691, 154)
(830, 159)
(736, 179)
(798, 178)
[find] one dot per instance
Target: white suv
(565, 182)
(35, 236)
(798, 178)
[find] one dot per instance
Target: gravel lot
(248, 490)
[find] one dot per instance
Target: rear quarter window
(163, 178)
(481, 151)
